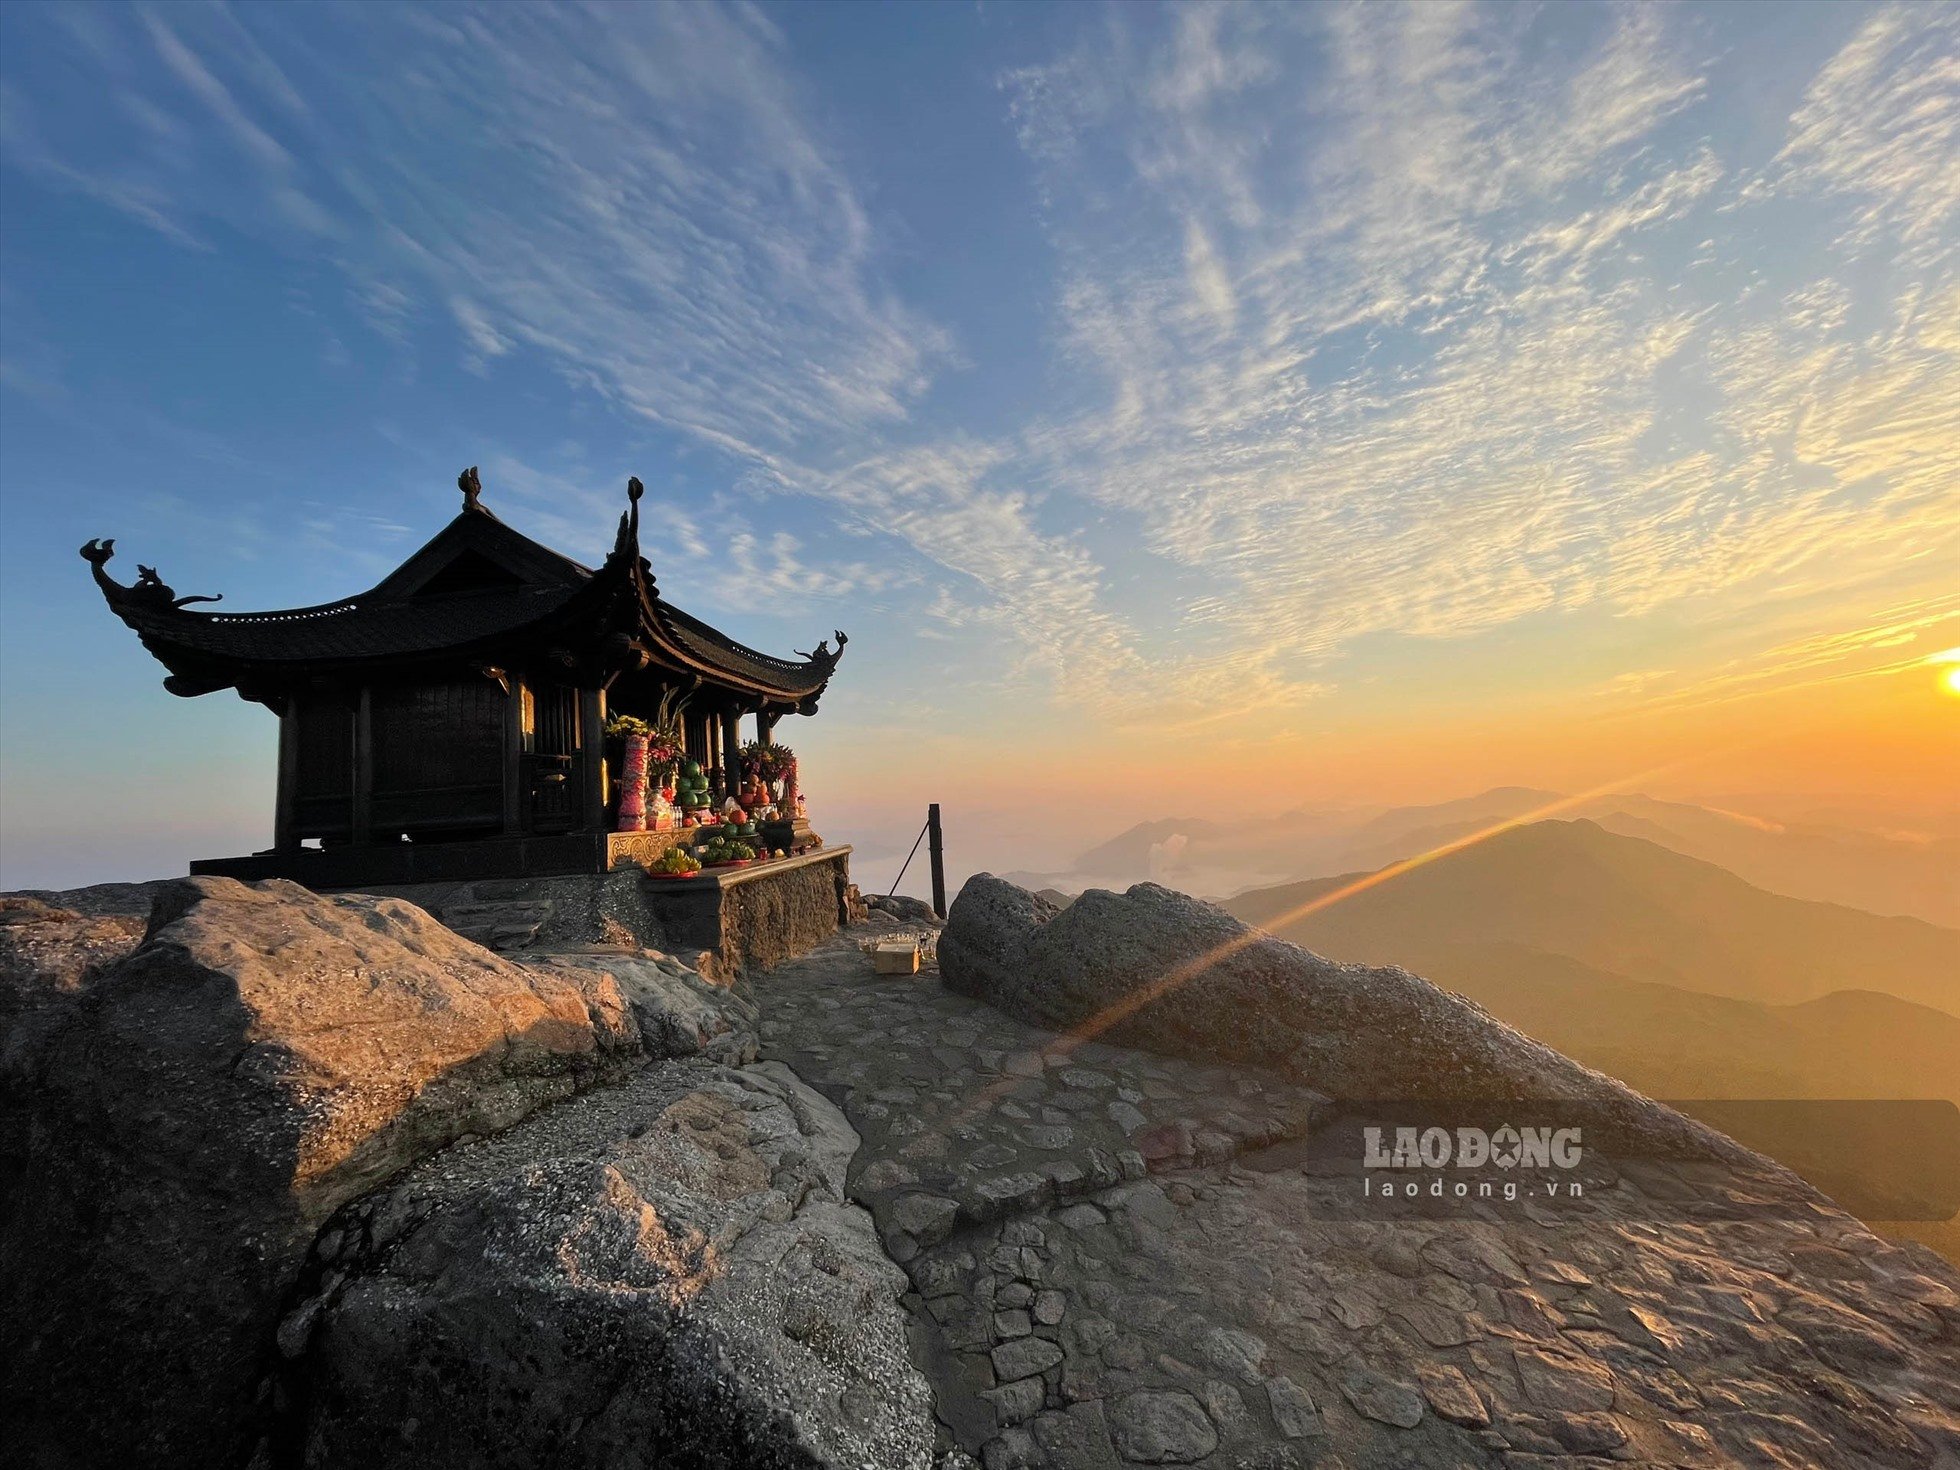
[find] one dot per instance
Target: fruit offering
(726, 850)
(675, 860)
(691, 786)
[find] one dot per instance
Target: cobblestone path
(1114, 1265)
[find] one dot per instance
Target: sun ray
(1183, 974)
(1120, 1010)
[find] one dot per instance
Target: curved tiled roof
(353, 628)
(475, 582)
(715, 647)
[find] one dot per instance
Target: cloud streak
(1507, 353)
(1369, 322)
(632, 194)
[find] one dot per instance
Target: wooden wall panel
(438, 758)
(322, 770)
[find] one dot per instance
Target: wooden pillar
(765, 726)
(731, 745)
(936, 851)
(516, 808)
(363, 813)
(285, 816)
(592, 759)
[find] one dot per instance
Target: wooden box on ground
(897, 957)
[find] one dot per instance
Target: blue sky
(1199, 386)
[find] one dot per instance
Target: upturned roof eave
(582, 623)
(597, 623)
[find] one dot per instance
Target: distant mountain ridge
(1623, 906)
(1676, 1043)
(1886, 872)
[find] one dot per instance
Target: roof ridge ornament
(148, 591)
(821, 654)
(472, 489)
(629, 519)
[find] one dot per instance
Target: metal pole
(936, 850)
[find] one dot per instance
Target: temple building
(448, 723)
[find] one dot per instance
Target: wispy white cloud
(130, 194)
(1869, 649)
(1880, 126)
(1037, 594)
(1442, 387)
(188, 69)
(635, 194)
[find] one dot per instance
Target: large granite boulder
(902, 907)
(180, 1129)
(1159, 969)
(658, 1274)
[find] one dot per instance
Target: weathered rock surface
(543, 912)
(903, 907)
(307, 1181)
(49, 956)
(1225, 1305)
(100, 900)
(263, 1056)
(662, 1273)
(679, 1014)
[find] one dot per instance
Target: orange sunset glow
(950, 735)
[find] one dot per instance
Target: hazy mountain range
(1670, 973)
(1905, 863)
(1665, 971)
(1622, 907)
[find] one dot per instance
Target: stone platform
(725, 922)
(522, 855)
(754, 917)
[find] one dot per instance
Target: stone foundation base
(720, 922)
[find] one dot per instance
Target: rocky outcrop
(902, 907)
(679, 1013)
(1159, 969)
(310, 1181)
(547, 912)
(51, 957)
(100, 900)
(263, 1056)
(658, 1274)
